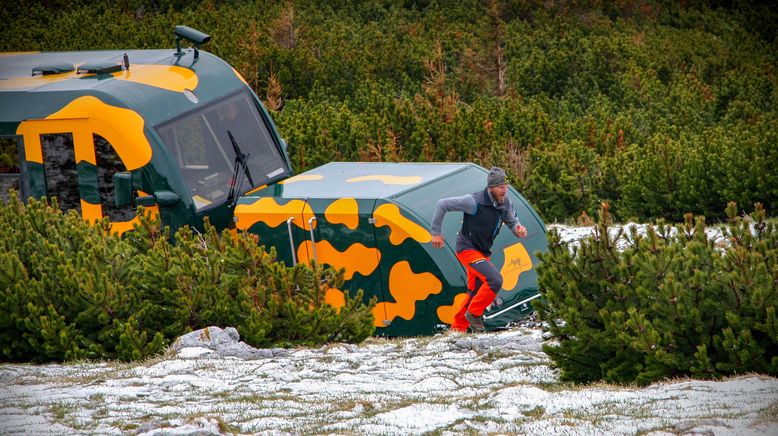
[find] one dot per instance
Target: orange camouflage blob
(343, 211)
(301, 178)
(119, 227)
(31, 82)
(387, 180)
(517, 261)
(406, 288)
(446, 313)
(168, 77)
(91, 212)
(122, 128)
(335, 298)
(267, 210)
(400, 227)
(356, 259)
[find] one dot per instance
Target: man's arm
(512, 221)
(465, 203)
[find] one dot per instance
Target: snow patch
(192, 352)
(385, 386)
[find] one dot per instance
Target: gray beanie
(496, 177)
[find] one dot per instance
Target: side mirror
(166, 198)
(161, 198)
(122, 188)
(284, 146)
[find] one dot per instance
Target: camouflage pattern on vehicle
(180, 132)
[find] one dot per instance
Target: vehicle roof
(20, 64)
(366, 179)
(153, 86)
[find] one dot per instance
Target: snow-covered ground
(449, 384)
(572, 235)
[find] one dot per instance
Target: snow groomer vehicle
(180, 132)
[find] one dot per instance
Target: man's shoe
(476, 322)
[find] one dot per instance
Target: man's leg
(488, 291)
(460, 322)
(474, 281)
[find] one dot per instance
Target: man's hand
(520, 231)
(437, 241)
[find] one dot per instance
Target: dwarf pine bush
(70, 290)
(658, 108)
(673, 303)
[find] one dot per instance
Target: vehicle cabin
(91, 127)
(373, 220)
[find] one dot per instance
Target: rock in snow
(212, 338)
(214, 342)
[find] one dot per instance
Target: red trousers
(482, 276)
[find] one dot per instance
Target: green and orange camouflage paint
(164, 118)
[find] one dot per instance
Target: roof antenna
(126, 62)
(193, 35)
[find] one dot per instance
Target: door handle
(313, 238)
(291, 240)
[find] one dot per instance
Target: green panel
(278, 237)
(123, 192)
(220, 216)
(37, 179)
(87, 182)
(512, 310)
(422, 258)
(416, 204)
(8, 129)
(343, 238)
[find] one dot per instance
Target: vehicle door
(67, 160)
(276, 221)
(420, 281)
(11, 163)
(339, 233)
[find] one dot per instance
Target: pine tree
(672, 303)
(70, 290)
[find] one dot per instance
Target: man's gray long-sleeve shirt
(469, 205)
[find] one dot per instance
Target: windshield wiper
(241, 161)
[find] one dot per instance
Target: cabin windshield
(200, 144)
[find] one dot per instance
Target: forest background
(658, 108)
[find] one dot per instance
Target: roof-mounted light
(45, 70)
(99, 68)
(193, 35)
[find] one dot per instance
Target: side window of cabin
(108, 164)
(60, 170)
(191, 138)
(10, 170)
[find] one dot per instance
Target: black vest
(479, 230)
